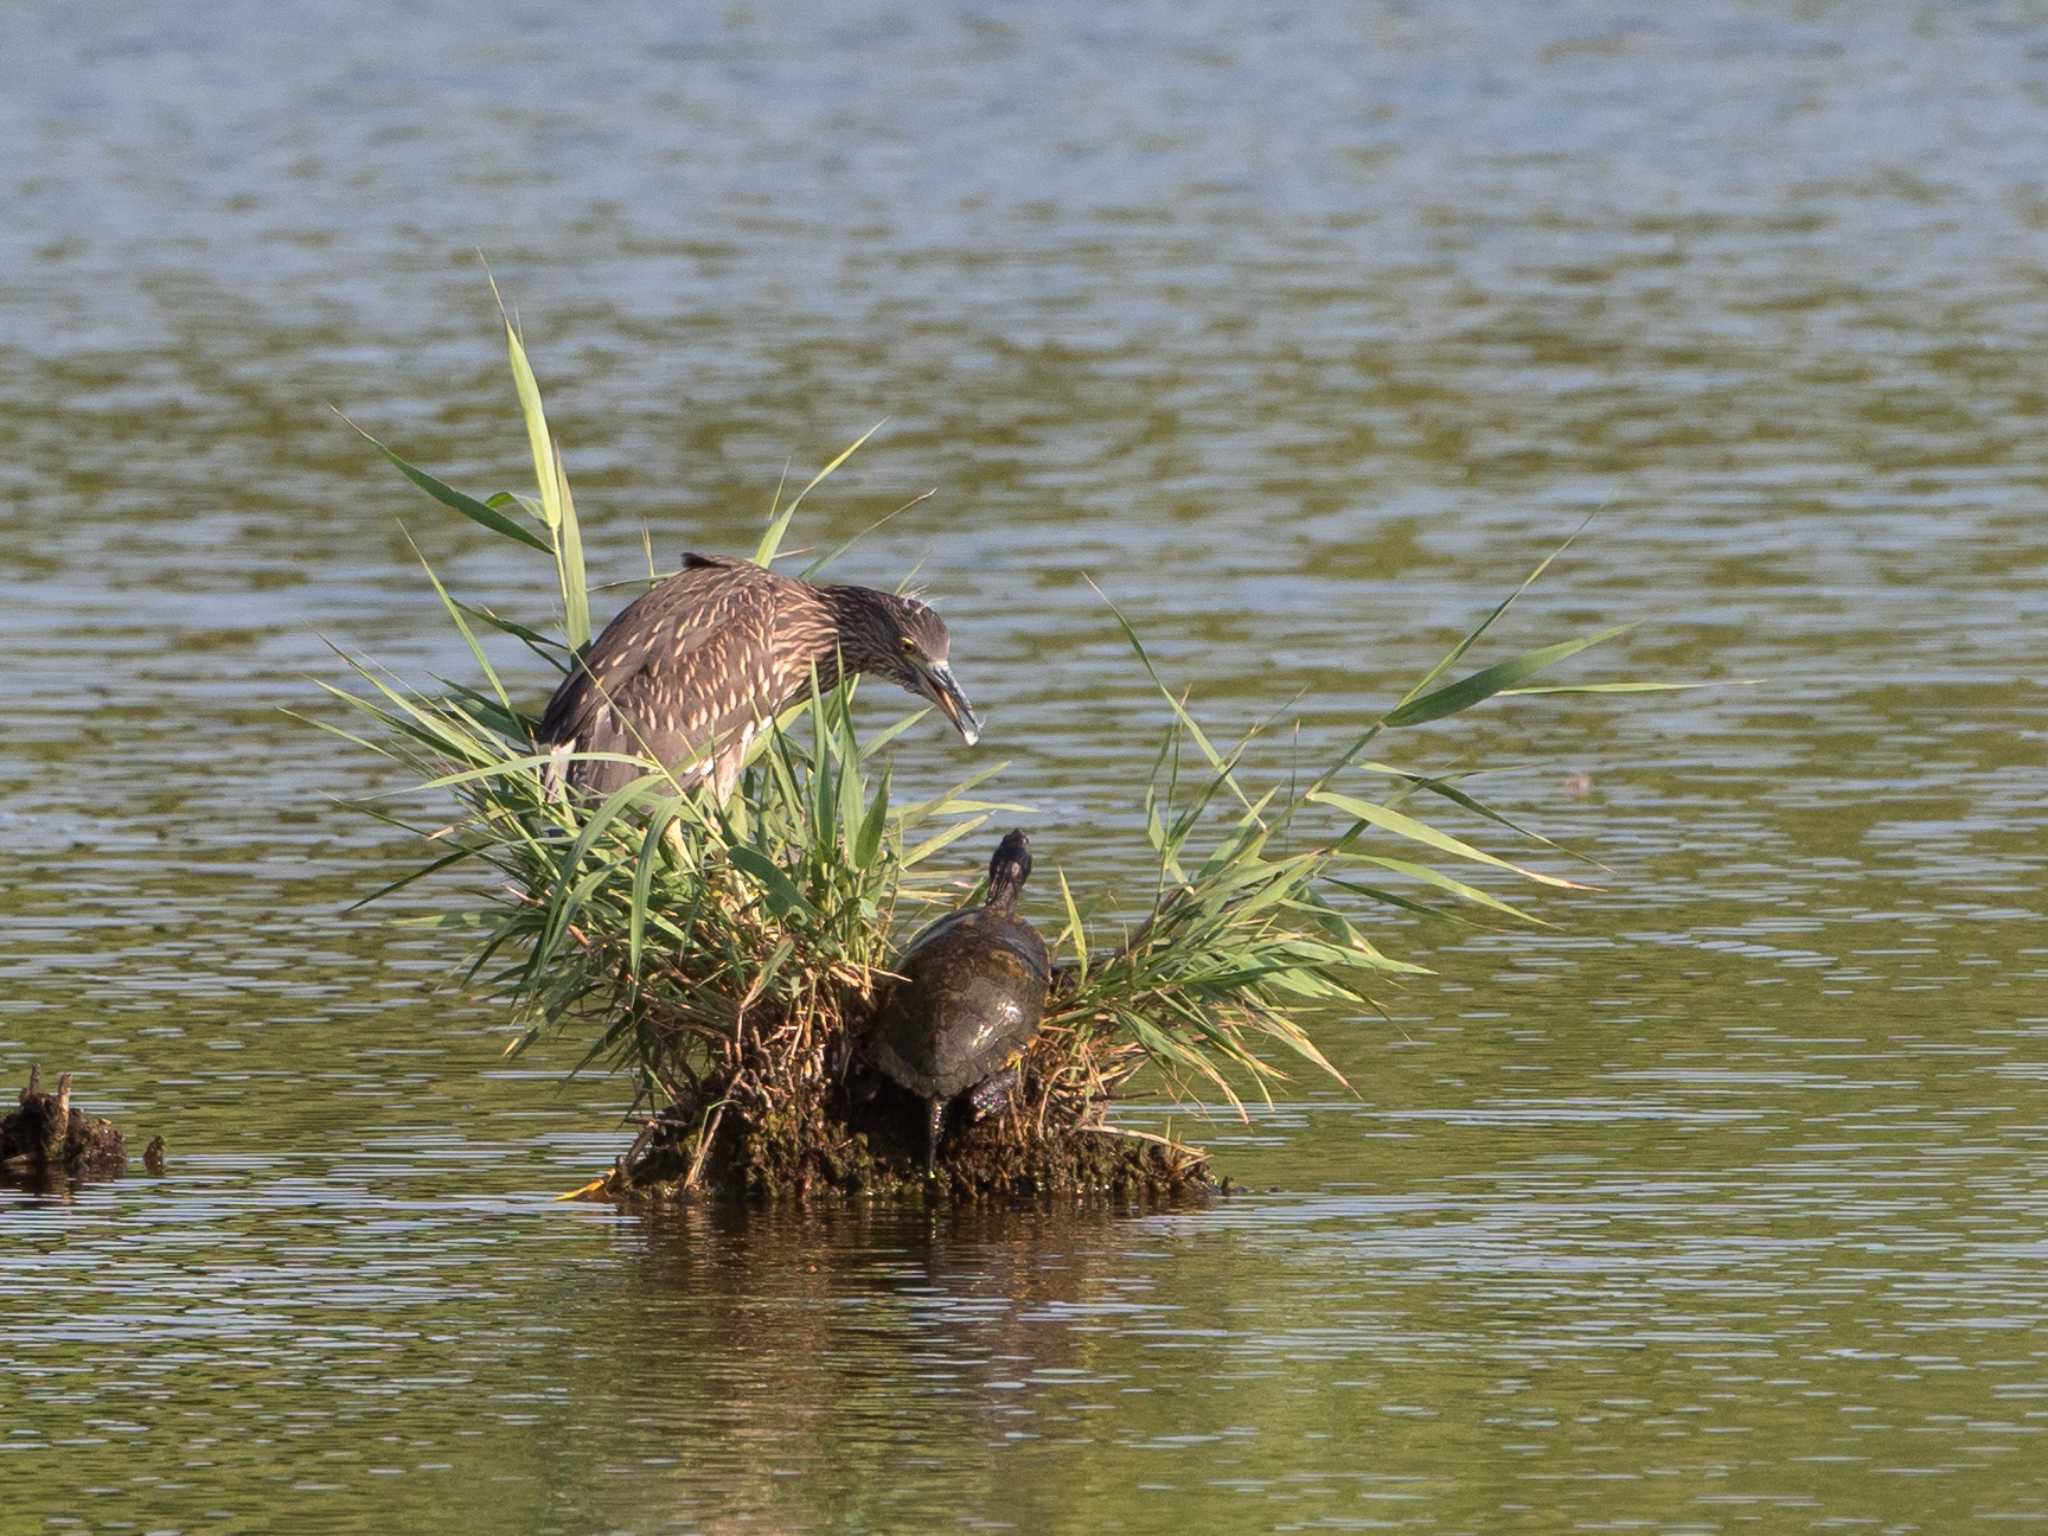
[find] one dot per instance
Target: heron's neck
(863, 624)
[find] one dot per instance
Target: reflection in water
(890, 1350)
(1719, 1204)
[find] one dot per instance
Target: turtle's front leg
(993, 1093)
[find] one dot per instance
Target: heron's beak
(938, 682)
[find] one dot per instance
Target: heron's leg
(555, 775)
(935, 1127)
(992, 1095)
(725, 769)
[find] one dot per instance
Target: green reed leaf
(1498, 678)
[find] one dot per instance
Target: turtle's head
(1008, 870)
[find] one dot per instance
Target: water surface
(1722, 1205)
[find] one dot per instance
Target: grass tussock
(728, 959)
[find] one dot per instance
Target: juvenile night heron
(692, 671)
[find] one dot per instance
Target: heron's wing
(681, 670)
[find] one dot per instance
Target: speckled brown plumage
(690, 672)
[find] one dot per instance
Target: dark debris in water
(48, 1137)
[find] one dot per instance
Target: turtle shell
(972, 994)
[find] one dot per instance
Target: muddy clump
(48, 1137)
(768, 1125)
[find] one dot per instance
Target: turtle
(972, 993)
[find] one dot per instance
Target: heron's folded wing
(674, 676)
(684, 614)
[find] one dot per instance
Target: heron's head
(1009, 869)
(911, 651)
